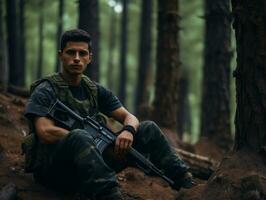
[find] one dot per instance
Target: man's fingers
(122, 146)
(117, 143)
(127, 145)
(123, 143)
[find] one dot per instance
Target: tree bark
(3, 60)
(144, 70)
(112, 41)
(123, 54)
(22, 40)
(41, 38)
(167, 73)
(15, 77)
(250, 74)
(89, 21)
(183, 114)
(59, 31)
(215, 108)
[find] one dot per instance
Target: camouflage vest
(61, 89)
(37, 154)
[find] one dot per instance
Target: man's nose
(77, 57)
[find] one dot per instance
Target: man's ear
(91, 57)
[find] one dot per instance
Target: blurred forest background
(125, 37)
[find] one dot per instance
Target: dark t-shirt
(43, 97)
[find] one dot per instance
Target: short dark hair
(75, 35)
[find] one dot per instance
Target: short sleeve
(40, 100)
(107, 101)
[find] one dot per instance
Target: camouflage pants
(76, 163)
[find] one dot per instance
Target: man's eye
(83, 53)
(71, 52)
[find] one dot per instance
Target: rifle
(102, 136)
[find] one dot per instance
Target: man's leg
(149, 140)
(77, 162)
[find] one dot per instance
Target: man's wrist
(129, 128)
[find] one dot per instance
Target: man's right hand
(123, 142)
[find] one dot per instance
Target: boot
(186, 181)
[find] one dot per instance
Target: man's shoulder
(41, 87)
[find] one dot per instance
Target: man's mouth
(76, 65)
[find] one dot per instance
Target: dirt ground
(230, 181)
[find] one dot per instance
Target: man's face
(75, 57)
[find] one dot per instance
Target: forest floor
(134, 184)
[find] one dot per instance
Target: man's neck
(71, 80)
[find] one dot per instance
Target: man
(68, 159)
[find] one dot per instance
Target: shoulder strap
(91, 85)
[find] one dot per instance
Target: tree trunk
(3, 60)
(250, 74)
(89, 21)
(144, 70)
(59, 31)
(167, 74)
(215, 111)
(123, 54)
(22, 40)
(15, 77)
(112, 41)
(41, 37)
(183, 114)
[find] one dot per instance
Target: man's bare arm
(125, 117)
(47, 132)
(125, 140)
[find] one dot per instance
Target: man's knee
(79, 135)
(148, 131)
(77, 139)
(149, 127)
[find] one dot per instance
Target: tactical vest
(61, 89)
(36, 154)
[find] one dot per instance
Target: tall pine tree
(3, 61)
(123, 53)
(215, 110)
(144, 68)
(15, 76)
(167, 73)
